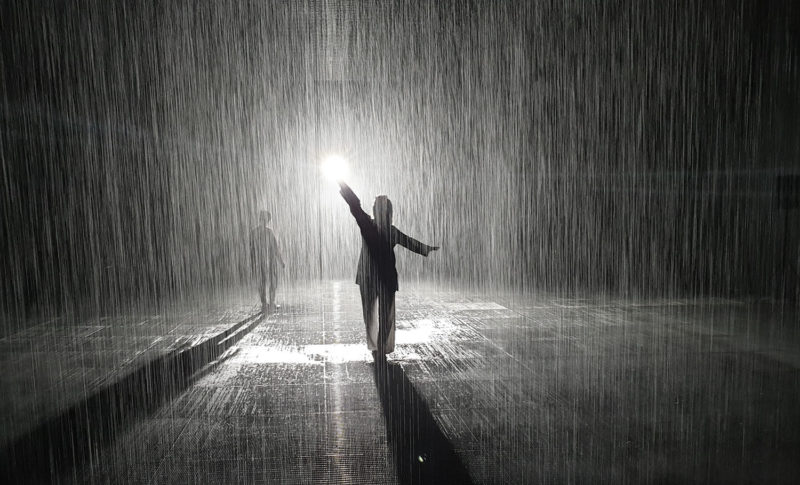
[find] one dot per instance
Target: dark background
(646, 148)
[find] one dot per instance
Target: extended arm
(412, 244)
(363, 220)
(375, 242)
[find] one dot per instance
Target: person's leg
(390, 321)
(386, 317)
(273, 286)
(262, 288)
(369, 303)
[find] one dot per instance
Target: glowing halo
(335, 167)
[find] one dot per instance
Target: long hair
(382, 212)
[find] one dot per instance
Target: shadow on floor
(76, 436)
(421, 451)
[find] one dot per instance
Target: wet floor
(541, 390)
(52, 363)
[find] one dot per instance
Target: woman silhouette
(377, 275)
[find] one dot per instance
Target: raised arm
(363, 220)
(412, 244)
(375, 242)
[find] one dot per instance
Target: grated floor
(535, 390)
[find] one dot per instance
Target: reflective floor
(51, 363)
(482, 388)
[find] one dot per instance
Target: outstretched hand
(348, 194)
(431, 249)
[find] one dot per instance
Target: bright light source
(334, 167)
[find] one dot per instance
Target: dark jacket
(376, 265)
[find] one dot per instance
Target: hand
(348, 194)
(431, 249)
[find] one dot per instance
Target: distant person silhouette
(265, 257)
(377, 275)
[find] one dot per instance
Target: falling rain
(400, 242)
